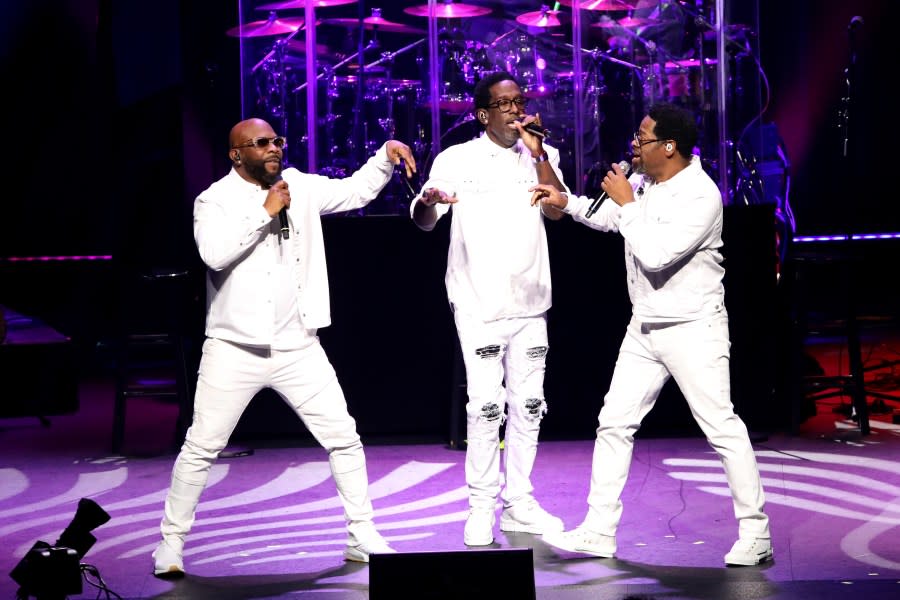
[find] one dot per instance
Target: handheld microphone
(595, 205)
(537, 130)
(282, 217)
(411, 186)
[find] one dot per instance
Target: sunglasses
(263, 142)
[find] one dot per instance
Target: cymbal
(375, 23)
(626, 22)
(302, 4)
(270, 26)
(448, 10)
(541, 18)
(608, 4)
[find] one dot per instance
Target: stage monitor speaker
(452, 575)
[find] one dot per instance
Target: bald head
(247, 130)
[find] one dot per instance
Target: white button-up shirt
(262, 290)
(498, 263)
(673, 233)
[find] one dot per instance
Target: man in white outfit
(498, 283)
(267, 295)
(670, 215)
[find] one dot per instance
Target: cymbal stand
(277, 51)
(330, 117)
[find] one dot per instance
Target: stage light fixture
(54, 572)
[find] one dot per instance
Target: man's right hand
(279, 197)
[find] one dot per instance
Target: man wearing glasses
(670, 215)
(498, 283)
(267, 295)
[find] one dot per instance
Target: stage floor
(270, 526)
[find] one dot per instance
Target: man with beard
(670, 216)
(498, 283)
(267, 295)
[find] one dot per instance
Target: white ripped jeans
(697, 355)
(230, 376)
(513, 351)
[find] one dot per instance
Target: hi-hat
(376, 23)
(448, 10)
(541, 18)
(302, 4)
(610, 4)
(271, 26)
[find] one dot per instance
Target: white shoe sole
(749, 563)
(171, 572)
(516, 527)
(355, 555)
(479, 542)
(568, 547)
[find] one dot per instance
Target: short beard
(258, 171)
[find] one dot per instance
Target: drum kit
(643, 51)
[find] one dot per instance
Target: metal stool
(152, 349)
(837, 269)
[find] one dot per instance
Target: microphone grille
(625, 166)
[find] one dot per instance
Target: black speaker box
(452, 575)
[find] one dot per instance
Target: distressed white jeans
(513, 351)
(230, 375)
(697, 355)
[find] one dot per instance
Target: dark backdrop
(118, 114)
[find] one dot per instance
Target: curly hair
(675, 123)
(482, 91)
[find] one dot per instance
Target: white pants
(514, 351)
(230, 375)
(697, 355)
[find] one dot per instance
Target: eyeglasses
(504, 105)
(640, 143)
(263, 142)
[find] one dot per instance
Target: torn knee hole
(535, 408)
(537, 352)
(490, 412)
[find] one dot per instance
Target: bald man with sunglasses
(267, 295)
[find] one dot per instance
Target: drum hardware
(369, 46)
(449, 10)
(387, 58)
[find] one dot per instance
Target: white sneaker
(359, 549)
(583, 540)
(748, 552)
(528, 517)
(167, 560)
(479, 530)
